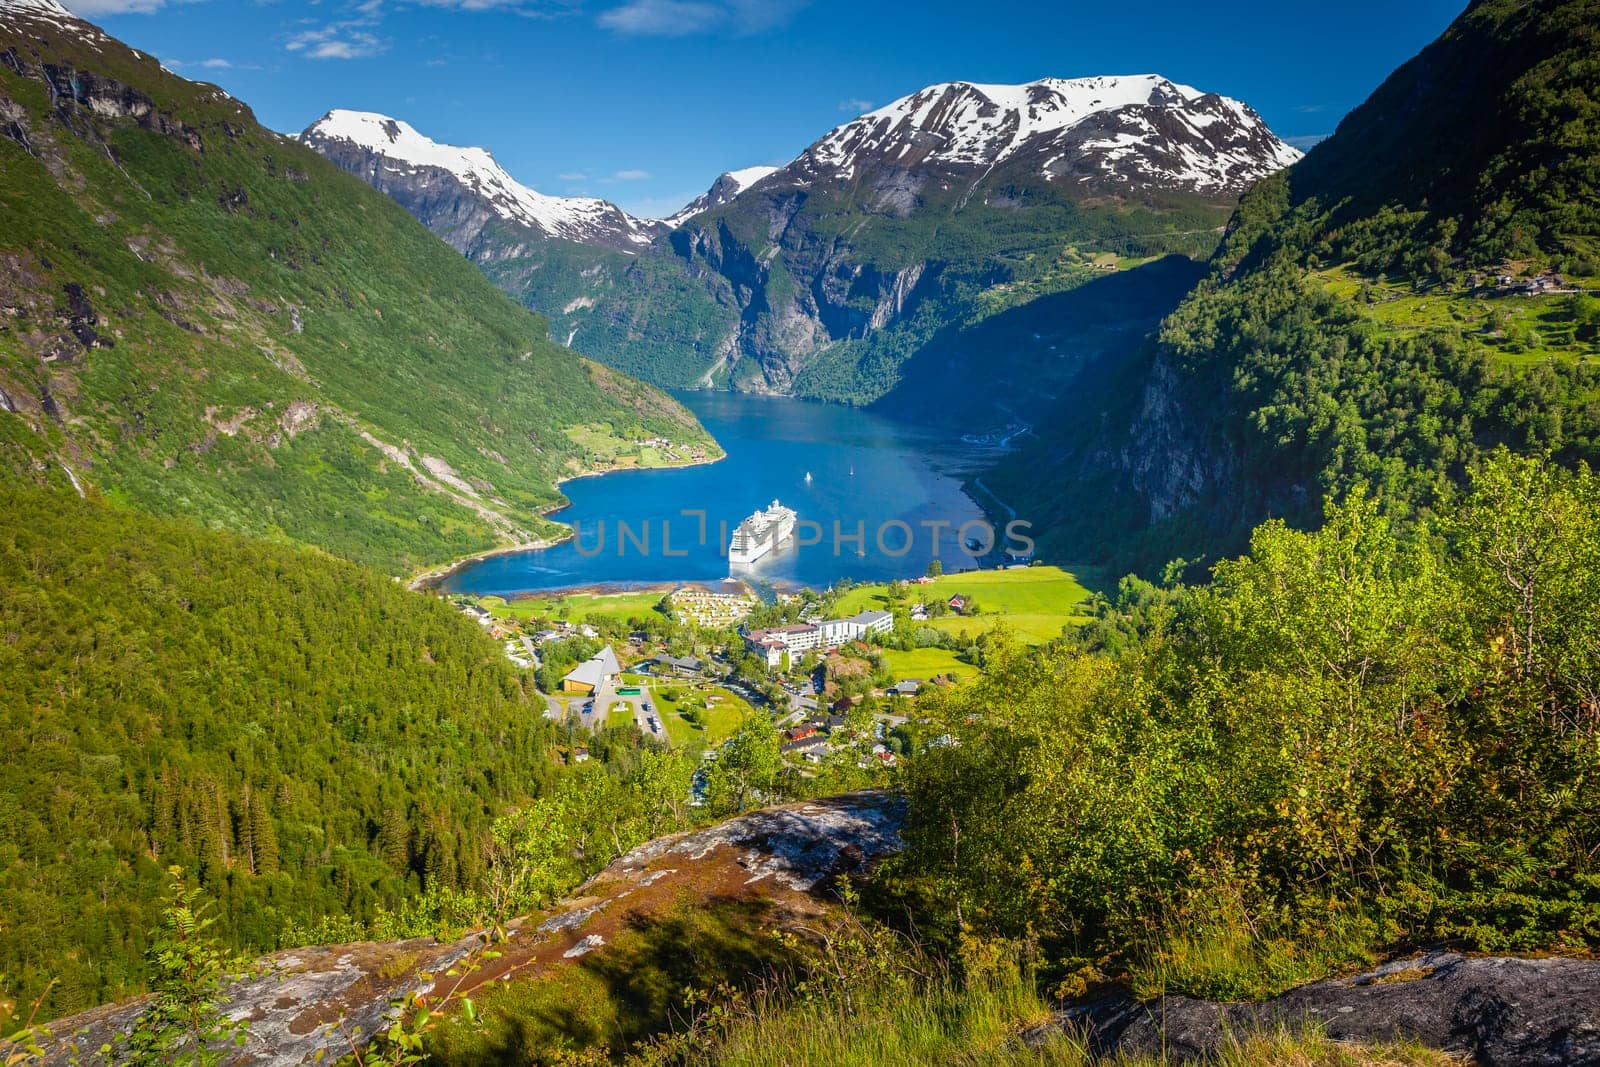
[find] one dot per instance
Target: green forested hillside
(300, 733)
(1425, 285)
(203, 317)
(1348, 741)
(797, 277)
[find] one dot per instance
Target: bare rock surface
(1492, 1010)
(306, 1001)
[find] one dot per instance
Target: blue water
(867, 471)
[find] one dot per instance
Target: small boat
(808, 477)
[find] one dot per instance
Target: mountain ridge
(191, 325)
(1414, 294)
(969, 124)
(824, 276)
(727, 186)
(364, 143)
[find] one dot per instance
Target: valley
(869, 475)
(824, 277)
(1038, 570)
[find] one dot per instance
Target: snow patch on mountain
(574, 218)
(50, 12)
(722, 191)
(37, 8)
(745, 177)
(1123, 126)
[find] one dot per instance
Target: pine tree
(264, 835)
(394, 839)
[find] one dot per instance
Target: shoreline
(427, 581)
(604, 589)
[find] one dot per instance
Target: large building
(592, 673)
(775, 642)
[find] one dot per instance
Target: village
(838, 675)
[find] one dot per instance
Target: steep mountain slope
(458, 192)
(902, 228)
(832, 272)
(203, 317)
(1421, 288)
(300, 733)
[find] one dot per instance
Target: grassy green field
(925, 663)
(576, 607)
(1517, 330)
(1035, 602)
(720, 719)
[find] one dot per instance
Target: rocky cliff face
(801, 279)
(905, 204)
(1495, 1011)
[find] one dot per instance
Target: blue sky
(644, 102)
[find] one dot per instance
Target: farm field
(926, 663)
(1516, 330)
(1035, 602)
(718, 721)
(577, 607)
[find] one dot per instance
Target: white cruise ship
(761, 533)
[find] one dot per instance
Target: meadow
(618, 607)
(1035, 603)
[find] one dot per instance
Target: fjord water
(866, 470)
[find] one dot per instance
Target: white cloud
(573, 176)
(661, 18)
(357, 36)
(681, 18)
(214, 63)
(531, 8)
(656, 207)
(855, 106)
(1307, 141)
(476, 5)
(351, 39)
(91, 8)
(625, 175)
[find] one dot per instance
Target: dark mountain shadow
(1021, 362)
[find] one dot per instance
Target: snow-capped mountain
(770, 266)
(53, 15)
(458, 192)
(722, 191)
(46, 9)
(1136, 130)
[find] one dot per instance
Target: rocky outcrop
(304, 1002)
(1166, 457)
(1492, 1010)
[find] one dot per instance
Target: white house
(799, 639)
